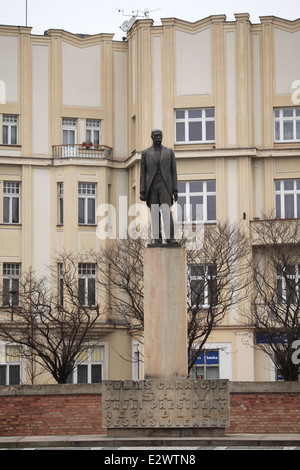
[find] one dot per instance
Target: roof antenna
(134, 15)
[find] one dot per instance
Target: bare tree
(217, 282)
(49, 318)
(275, 311)
(215, 276)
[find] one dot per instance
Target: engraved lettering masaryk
(174, 403)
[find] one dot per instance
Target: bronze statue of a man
(158, 186)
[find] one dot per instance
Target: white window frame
(87, 272)
(12, 358)
(282, 212)
(10, 273)
(86, 193)
(60, 285)
(202, 210)
(282, 120)
(11, 193)
(93, 126)
(60, 203)
(184, 117)
(205, 367)
(69, 131)
(10, 122)
(280, 278)
(199, 277)
(88, 358)
(136, 361)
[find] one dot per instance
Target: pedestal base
(165, 312)
(166, 432)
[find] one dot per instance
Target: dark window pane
(5, 135)
(288, 130)
(180, 132)
(61, 211)
(92, 292)
(289, 184)
(5, 299)
(278, 206)
(195, 113)
(197, 292)
(181, 187)
(197, 270)
(80, 210)
(196, 208)
(82, 374)
(96, 373)
(81, 291)
(6, 210)
(14, 375)
(13, 131)
(210, 112)
(211, 207)
(196, 186)
(210, 130)
(15, 292)
(91, 211)
(180, 209)
(195, 131)
(15, 210)
(289, 206)
(180, 114)
(3, 375)
(211, 186)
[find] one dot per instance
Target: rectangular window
(207, 366)
(194, 126)
(60, 208)
(287, 284)
(89, 368)
(10, 370)
(287, 124)
(10, 130)
(87, 284)
(93, 132)
(287, 199)
(196, 201)
(202, 286)
(69, 131)
(11, 284)
(60, 284)
(11, 202)
(87, 203)
(136, 361)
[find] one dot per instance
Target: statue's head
(156, 136)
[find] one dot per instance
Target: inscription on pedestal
(173, 403)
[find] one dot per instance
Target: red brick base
(264, 413)
(268, 407)
(50, 415)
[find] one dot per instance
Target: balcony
(82, 151)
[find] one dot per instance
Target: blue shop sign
(212, 358)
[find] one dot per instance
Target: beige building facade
(76, 112)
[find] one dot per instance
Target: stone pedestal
(170, 407)
(165, 313)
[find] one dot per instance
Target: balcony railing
(82, 151)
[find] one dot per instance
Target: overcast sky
(102, 16)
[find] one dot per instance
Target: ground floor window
(10, 366)
(89, 367)
(207, 366)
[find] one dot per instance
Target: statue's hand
(175, 195)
